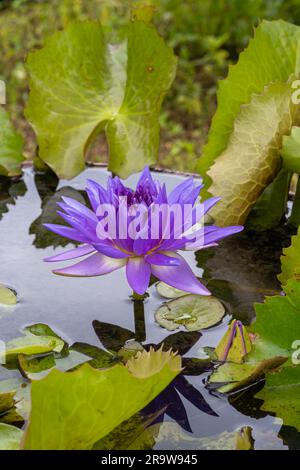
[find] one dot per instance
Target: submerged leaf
(192, 311)
(290, 261)
(11, 144)
(10, 437)
(80, 85)
(74, 410)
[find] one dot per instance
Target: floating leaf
(80, 85)
(281, 395)
(291, 150)
(31, 344)
(231, 376)
(11, 144)
(91, 403)
(254, 112)
(290, 260)
(100, 358)
(7, 296)
(10, 437)
(167, 291)
(192, 311)
(235, 344)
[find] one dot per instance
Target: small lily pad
(194, 312)
(168, 292)
(7, 296)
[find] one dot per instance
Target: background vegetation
(207, 36)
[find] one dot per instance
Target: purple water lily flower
(140, 252)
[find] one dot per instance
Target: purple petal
(160, 259)
(175, 195)
(95, 265)
(67, 232)
(181, 277)
(138, 274)
(209, 203)
(97, 194)
(71, 254)
(111, 251)
(212, 236)
(81, 226)
(80, 208)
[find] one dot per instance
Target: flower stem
(139, 316)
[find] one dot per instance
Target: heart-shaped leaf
(81, 85)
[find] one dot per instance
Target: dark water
(240, 271)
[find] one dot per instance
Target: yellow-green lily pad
(7, 296)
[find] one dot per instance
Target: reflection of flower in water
(114, 338)
(150, 250)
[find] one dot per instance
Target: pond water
(241, 271)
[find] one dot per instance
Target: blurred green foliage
(207, 35)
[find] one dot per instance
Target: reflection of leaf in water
(9, 192)
(171, 436)
(181, 342)
(100, 358)
(113, 337)
(92, 403)
(171, 401)
(43, 236)
(242, 270)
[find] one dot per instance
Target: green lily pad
(10, 437)
(168, 292)
(7, 296)
(76, 409)
(194, 312)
